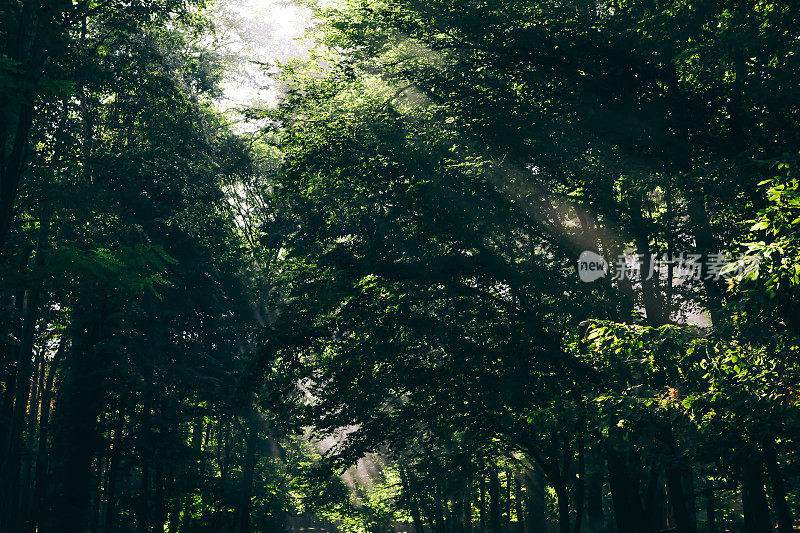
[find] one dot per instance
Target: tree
(444, 172)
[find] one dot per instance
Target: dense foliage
(442, 172)
(368, 312)
(130, 396)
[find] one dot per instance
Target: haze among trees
(362, 310)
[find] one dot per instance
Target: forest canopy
(482, 265)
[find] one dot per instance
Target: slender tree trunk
(482, 488)
(509, 486)
(535, 517)
(594, 493)
(458, 514)
(691, 500)
(112, 474)
(440, 508)
(94, 508)
(143, 518)
(782, 511)
(655, 500)
(12, 463)
(625, 495)
(174, 511)
(711, 515)
(651, 294)
(11, 171)
(80, 402)
(706, 242)
(198, 427)
(562, 501)
(24, 382)
(580, 487)
(159, 516)
(11, 430)
(468, 506)
(248, 473)
(42, 459)
(754, 500)
(25, 47)
(127, 500)
(518, 505)
(414, 499)
(678, 497)
(34, 428)
(494, 500)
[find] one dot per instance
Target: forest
(502, 266)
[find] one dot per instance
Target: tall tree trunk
(678, 499)
(580, 487)
(143, 509)
(25, 45)
(174, 511)
(518, 505)
(509, 486)
(110, 513)
(625, 495)
(11, 171)
(414, 499)
(34, 428)
(248, 473)
(654, 504)
(562, 501)
(12, 462)
(24, 375)
(711, 515)
(198, 430)
(159, 516)
(42, 458)
(594, 492)
(535, 515)
(494, 500)
(691, 500)
(482, 489)
(468, 506)
(782, 511)
(79, 404)
(754, 499)
(706, 243)
(651, 294)
(457, 514)
(438, 508)
(94, 497)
